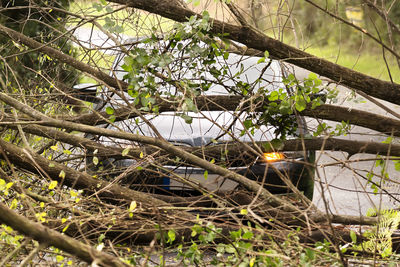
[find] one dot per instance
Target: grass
(117, 20)
(365, 62)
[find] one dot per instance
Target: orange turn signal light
(274, 156)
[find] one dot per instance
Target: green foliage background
(43, 21)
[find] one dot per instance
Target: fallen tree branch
(231, 149)
(245, 35)
(390, 93)
(168, 147)
(29, 160)
(254, 39)
(253, 186)
(362, 118)
(49, 237)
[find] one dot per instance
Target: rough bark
(362, 118)
(246, 35)
(231, 149)
(390, 93)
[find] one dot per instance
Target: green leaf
(388, 140)
(247, 235)
(312, 76)
(8, 185)
(247, 124)
(62, 174)
(101, 238)
(266, 54)
(109, 110)
(261, 60)
(53, 184)
(65, 228)
(97, 6)
(273, 96)
(171, 236)
(301, 103)
(353, 236)
(190, 106)
(230, 249)
(243, 211)
(125, 151)
(95, 160)
(187, 118)
(59, 258)
(205, 175)
(132, 206)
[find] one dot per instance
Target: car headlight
(273, 156)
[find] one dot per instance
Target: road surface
(345, 186)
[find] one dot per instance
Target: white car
(172, 70)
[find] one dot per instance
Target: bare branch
(377, 88)
(50, 237)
